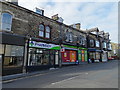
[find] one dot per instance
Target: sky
(90, 14)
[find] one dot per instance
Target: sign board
(62, 50)
(43, 45)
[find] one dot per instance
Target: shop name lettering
(40, 45)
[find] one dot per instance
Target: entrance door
(1, 63)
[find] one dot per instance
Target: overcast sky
(103, 15)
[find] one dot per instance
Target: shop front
(94, 55)
(104, 56)
(42, 56)
(69, 55)
(82, 55)
(73, 55)
(12, 54)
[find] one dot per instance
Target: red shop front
(69, 57)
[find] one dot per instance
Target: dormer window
(6, 21)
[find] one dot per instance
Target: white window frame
(10, 22)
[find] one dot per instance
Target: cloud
(103, 15)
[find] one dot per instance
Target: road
(96, 75)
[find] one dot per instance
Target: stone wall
(26, 22)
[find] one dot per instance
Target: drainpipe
(87, 48)
(60, 42)
(25, 55)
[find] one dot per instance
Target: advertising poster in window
(66, 56)
(79, 55)
(85, 55)
(83, 58)
(72, 56)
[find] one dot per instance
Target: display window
(82, 55)
(39, 56)
(66, 56)
(2, 49)
(13, 56)
(72, 56)
(69, 56)
(97, 55)
(92, 55)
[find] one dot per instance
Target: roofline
(32, 12)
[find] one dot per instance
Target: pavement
(95, 75)
(24, 75)
(29, 74)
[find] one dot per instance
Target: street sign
(62, 50)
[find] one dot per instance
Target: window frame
(3, 22)
(42, 31)
(47, 32)
(97, 43)
(92, 44)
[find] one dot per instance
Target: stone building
(32, 41)
(114, 52)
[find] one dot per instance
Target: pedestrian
(89, 60)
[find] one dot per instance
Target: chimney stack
(59, 19)
(77, 26)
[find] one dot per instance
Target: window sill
(6, 31)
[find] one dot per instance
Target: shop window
(97, 55)
(47, 33)
(13, 56)
(41, 30)
(1, 49)
(6, 21)
(38, 57)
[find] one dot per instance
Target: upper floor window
(69, 37)
(47, 33)
(91, 43)
(41, 30)
(6, 21)
(104, 45)
(110, 46)
(97, 44)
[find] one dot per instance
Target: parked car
(110, 58)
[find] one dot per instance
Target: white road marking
(67, 79)
(8, 81)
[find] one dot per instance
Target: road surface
(96, 75)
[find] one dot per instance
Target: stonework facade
(65, 45)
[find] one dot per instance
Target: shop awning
(98, 50)
(8, 38)
(91, 49)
